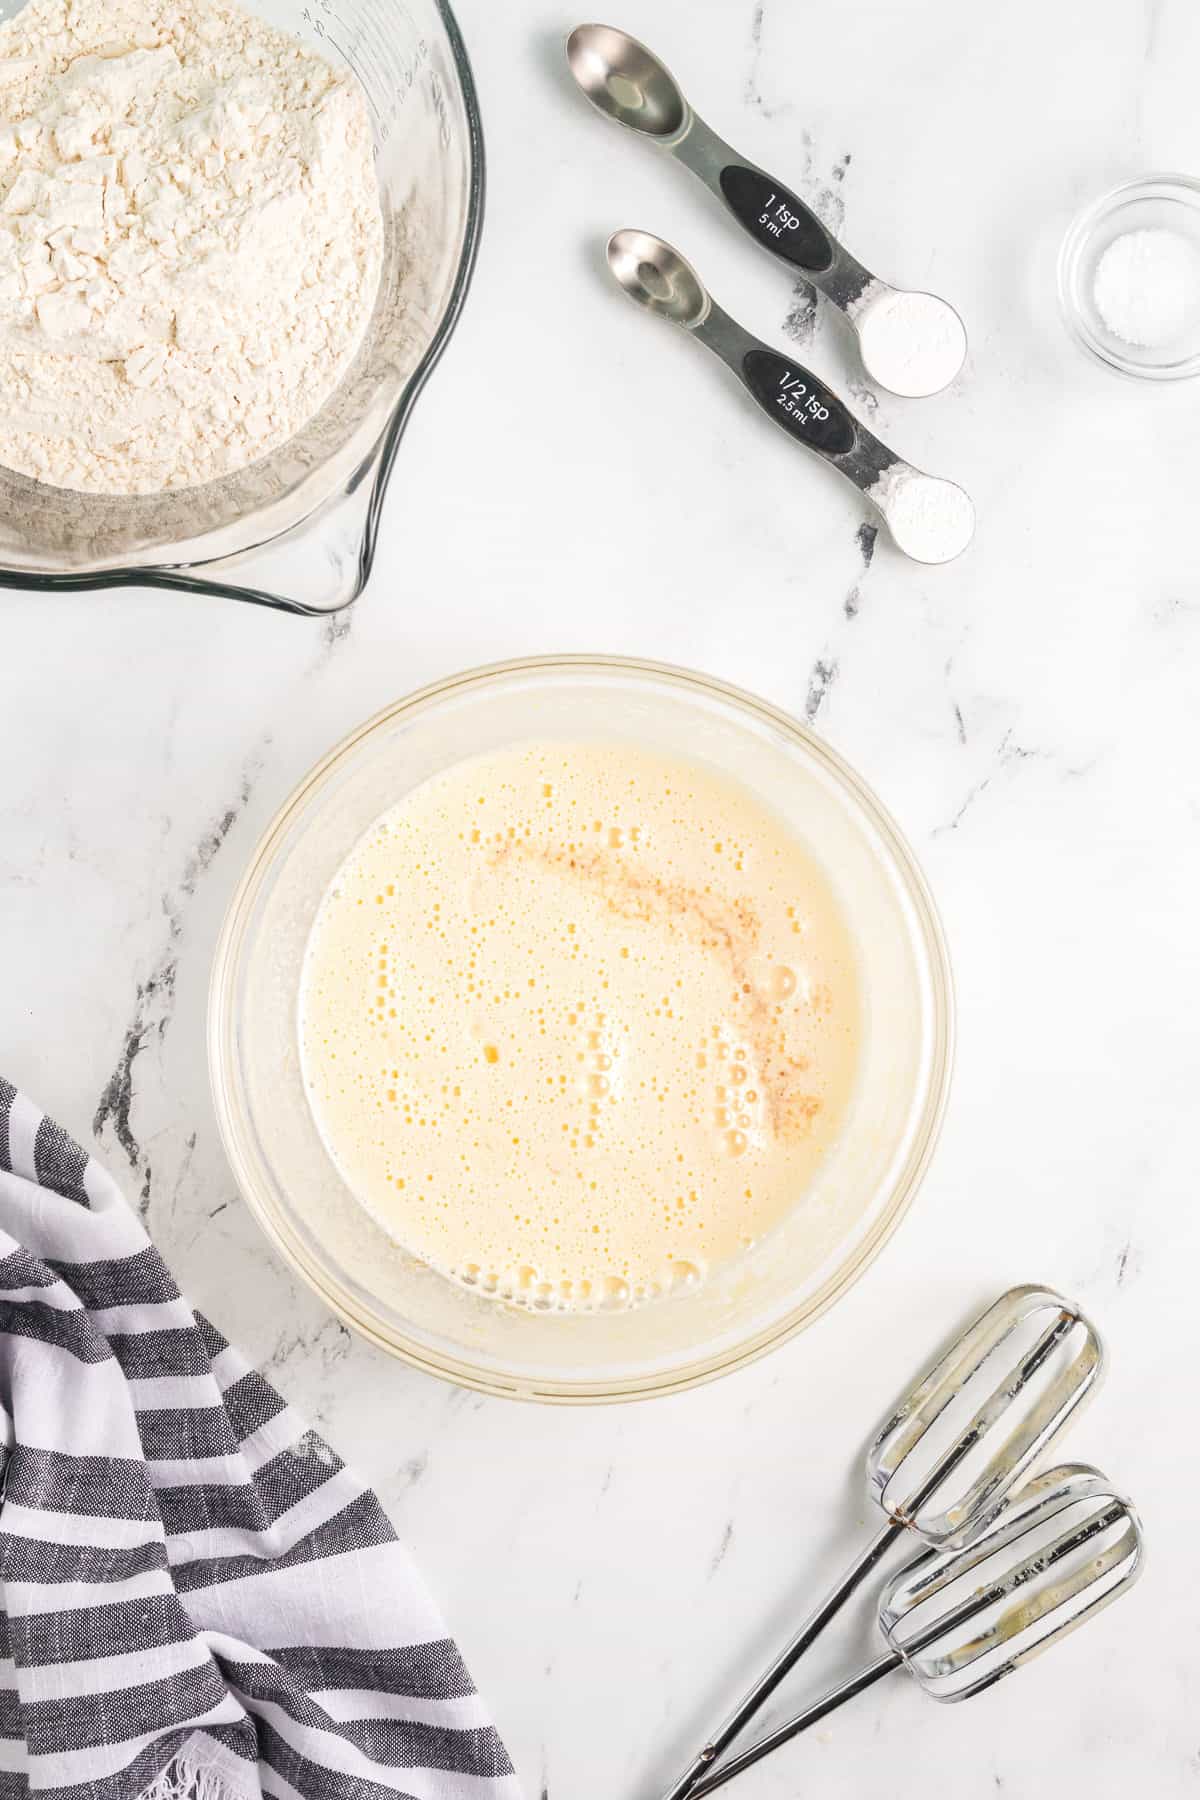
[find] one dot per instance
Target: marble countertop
(1029, 714)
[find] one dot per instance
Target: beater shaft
(812, 1715)
(769, 1680)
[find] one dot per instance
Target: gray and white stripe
(197, 1598)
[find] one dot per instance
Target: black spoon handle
(776, 219)
(798, 401)
(770, 213)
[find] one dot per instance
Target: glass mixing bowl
(806, 1263)
(298, 529)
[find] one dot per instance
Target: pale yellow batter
(579, 1022)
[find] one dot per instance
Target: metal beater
(960, 1620)
(950, 1454)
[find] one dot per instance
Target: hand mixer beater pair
(1007, 1570)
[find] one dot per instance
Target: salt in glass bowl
(1151, 203)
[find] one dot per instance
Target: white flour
(1147, 287)
(190, 240)
(931, 520)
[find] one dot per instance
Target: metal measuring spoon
(931, 520)
(911, 343)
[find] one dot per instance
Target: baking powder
(912, 343)
(931, 520)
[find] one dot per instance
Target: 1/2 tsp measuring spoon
(911, 343)
(931, 520)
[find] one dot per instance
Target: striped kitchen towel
(199, 1601)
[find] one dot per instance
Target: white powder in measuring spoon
(190, 240)
(913, 344)
(931, 520)
(1147, 287)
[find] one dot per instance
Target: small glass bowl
(1151, 203)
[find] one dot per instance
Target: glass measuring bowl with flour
(232, 241)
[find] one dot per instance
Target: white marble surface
(1030, 714)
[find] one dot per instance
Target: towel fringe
(180, 1781)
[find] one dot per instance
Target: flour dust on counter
(191, 240)
(580, 1023)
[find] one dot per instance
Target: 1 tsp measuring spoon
(911, 343)
(931, 520)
